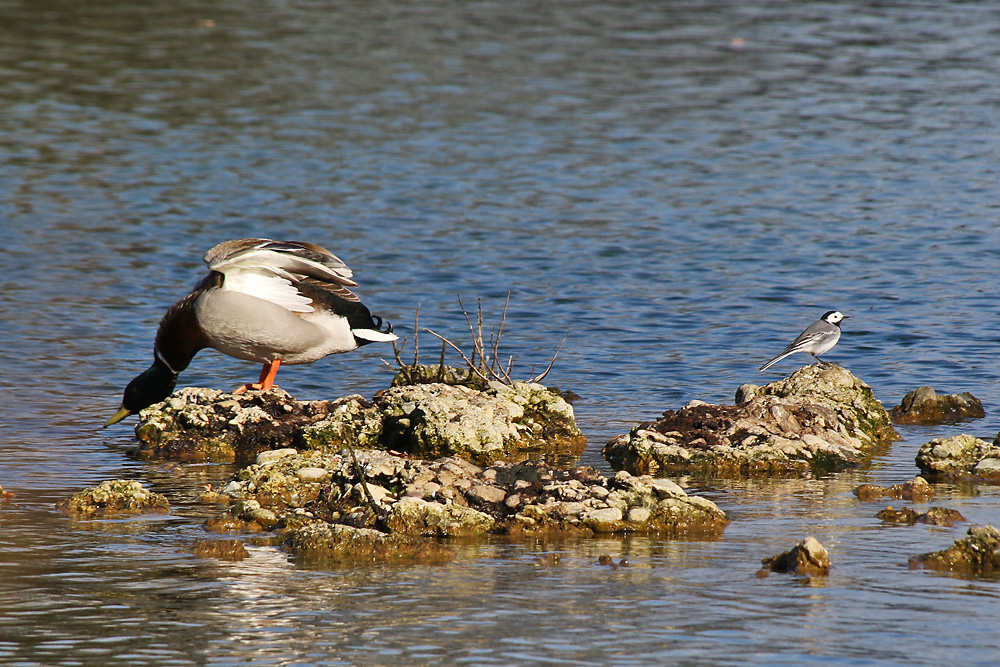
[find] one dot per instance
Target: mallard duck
(273, 302)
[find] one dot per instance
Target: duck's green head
(152, 386)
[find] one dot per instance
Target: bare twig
(541, 377)
(416, 335)
(440, 376)
(477, 340)
(466, 359)
(485, 360)
(496, 340)
(379, 512)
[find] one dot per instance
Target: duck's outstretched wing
(293, 261)
(301, 260)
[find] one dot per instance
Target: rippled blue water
(681, 186)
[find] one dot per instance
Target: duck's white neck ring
(163, 361)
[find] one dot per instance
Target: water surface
(681, 186)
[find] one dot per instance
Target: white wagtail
(819, 337)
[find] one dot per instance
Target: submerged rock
(233, 550)
(925, 406)
(808, 557)
(960, 457)
(820, 418)
(935, 516)
(917, 490)
(120, 496)
(482, 423)
(321, 543)
(975, 555)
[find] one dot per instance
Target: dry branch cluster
(484, 362)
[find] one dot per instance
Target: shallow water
(681, 187)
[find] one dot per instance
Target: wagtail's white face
(834, 317)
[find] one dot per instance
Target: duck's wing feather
(289, 259)
(293, 261)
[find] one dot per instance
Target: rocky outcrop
(483, 423)
(925, 406)
(960, 457)
(975, 555)
(120, 496)
(820, 418)
(808, 557)
(287, 490)
(499, 422)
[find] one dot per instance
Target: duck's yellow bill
(122, 413)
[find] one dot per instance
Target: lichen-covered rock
(959, 457)
(482, 423)
(453, 497)
(917, 490)
(925, 406)
(935, 516)
(434, 420)
(808, 557)
(321, 543)
(207, 425)
(120, 496)
(820, 418)
(975, 555)
(416, 516)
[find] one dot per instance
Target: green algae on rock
(820, 418)
(960, 457)
(119, 496)
(925, 406)
(976, 555)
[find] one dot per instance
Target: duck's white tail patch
(374, 336)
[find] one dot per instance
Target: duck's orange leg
(266, 380)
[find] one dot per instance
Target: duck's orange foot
(256, 386)
(266, 380)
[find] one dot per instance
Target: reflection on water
(681, 186)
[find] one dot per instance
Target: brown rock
(925, 406)
(808, 557)
(336, 544)
(935, 516)
(976, 555)
(220, 549)
(917, 490)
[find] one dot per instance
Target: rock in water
(975, 555)
(820, 418)
(925, 406)
(808, 557)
